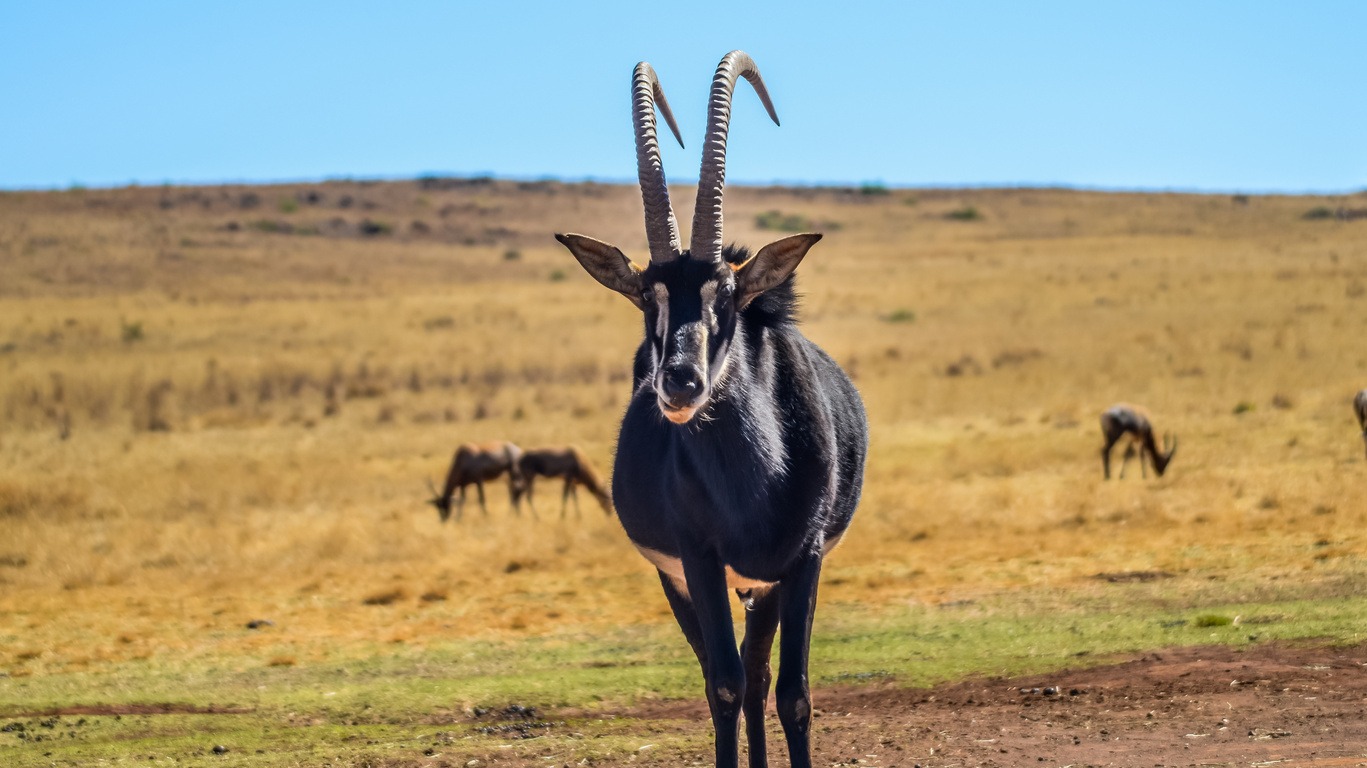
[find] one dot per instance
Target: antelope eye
(648, 296)
(727, 290)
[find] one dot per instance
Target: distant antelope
(474, 464)
(569, 463)
(1124, 419)
(1360, 408)
(741, 454)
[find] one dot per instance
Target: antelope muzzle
(681, 381)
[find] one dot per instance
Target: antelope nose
(681, 385)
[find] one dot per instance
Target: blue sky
(1208, 96)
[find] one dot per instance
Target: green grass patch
(1212, 620)
(399, 705)
(967, 213)
(784, 222)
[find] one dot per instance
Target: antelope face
(443, 507)
(1161, 461)
(690, 310)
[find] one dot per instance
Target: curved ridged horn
(706, 242)
(662, 229)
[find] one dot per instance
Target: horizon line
(624, 181)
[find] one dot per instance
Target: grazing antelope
(569, 463)
(741, 455)
(1360, 408)
(474, 464)
(1124, 419)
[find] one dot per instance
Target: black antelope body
(741, 455)
(1124, 419)
(1360, 408)
(475, 464)
(571, 465)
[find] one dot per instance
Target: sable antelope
(741, 455)
(569, 463)
(1124, 419)
(1360, 408)
(474, 464)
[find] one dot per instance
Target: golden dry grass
(221, 404)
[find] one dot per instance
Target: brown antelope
(1124, 419)
(569, 463)
(474, 464)
(1360, 408)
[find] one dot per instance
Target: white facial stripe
(709, 314)
(661, 327)
(708, 326)
(700, 334)
(709, 305)
(702, 351)
(721, 371)
(662, 310)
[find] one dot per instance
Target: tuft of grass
(130, 331)
(372, 228)
(1212, 620)
(901, 316)
(967, 213)
(272, 226)
(783, 222)
(386, 597)
(1318, 213)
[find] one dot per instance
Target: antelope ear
(772, 265)
(607, 264)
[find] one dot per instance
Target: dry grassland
(221, 404)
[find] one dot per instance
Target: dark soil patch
(1202, 706)
(1131, 577)
(165, 708)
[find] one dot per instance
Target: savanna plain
(220, 407)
